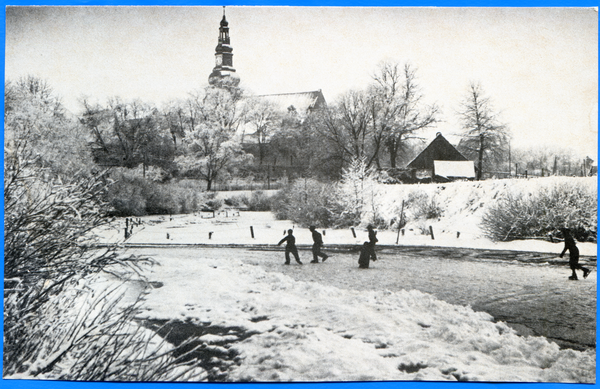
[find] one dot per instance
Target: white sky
(539, 66)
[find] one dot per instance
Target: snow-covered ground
(309, 331)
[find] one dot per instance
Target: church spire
(223, 72)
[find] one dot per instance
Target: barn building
(441, 162)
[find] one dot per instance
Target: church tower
(223, 73)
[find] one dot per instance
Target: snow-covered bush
(523, 215)
(131, 195)
(310, 202)
(50, 211)
(258, 201)
(350, 202)
(91, 335)
(424, 207)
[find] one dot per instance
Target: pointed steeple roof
(223, 73)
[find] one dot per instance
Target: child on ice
(573, 255)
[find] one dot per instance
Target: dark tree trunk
(480, 161)
(393, 149)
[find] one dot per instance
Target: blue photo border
(33, 384)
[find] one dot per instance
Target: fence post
(400, 223)
(252, 232)
(210, 234)
(431, 231)
(353, 232)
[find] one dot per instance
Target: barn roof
(438, 150)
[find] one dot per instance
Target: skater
(573, 255)
(372, 240)
(365, 256)
(317, 244)
(290, 247)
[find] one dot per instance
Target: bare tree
(484, 136)
(262, 119)
(346, 126)
(396, 109)
(128, 134)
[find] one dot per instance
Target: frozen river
(528, 293)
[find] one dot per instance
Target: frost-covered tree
(345, 126)
(211, 142)
(357, 192)
(130, 134)
(52, 203)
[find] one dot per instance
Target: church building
(224, 75)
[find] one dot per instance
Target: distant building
(440, 161)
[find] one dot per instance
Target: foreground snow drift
(284, 330)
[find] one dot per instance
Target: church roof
(438, 150)
(302, 102)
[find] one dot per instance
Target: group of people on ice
(367, 252)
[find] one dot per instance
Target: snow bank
(304, 331)
(463, 203)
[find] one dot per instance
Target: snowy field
(261, 321)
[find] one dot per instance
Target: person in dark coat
(573, 255)
(290, 247)
(365, 256)
(317, 244)
(372, 240)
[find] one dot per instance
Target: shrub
(258, 201)
(518, 216)
(131, 195)
(52, 328)
(422, 206)
(212, 201)
(308, 202)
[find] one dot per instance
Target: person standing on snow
(317, 244)
(290, 247)
(372, 240)
(365, 256)
(573, 255)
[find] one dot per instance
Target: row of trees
(220, 132)
(216, 132)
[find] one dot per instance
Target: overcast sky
(538, 66)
